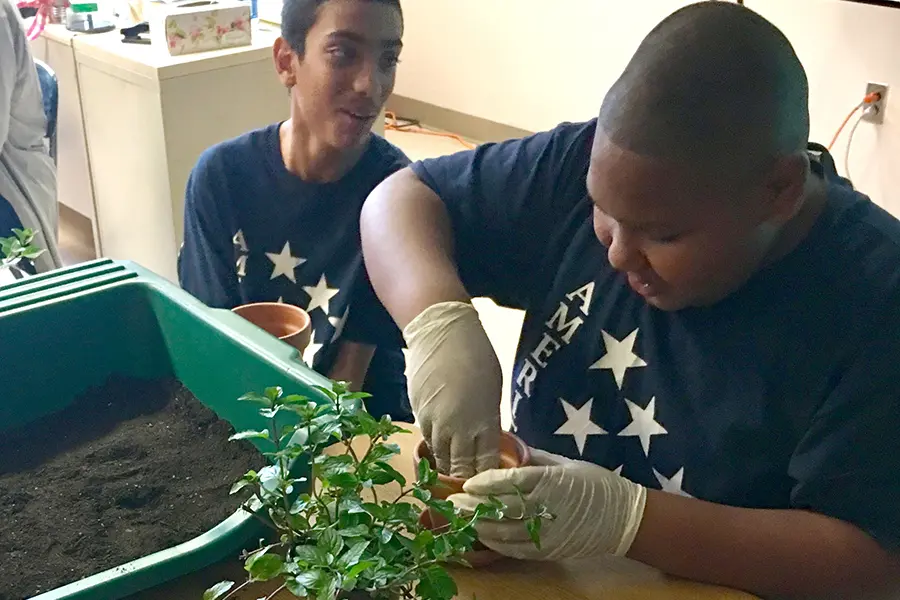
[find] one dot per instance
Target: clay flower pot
(513, 453)
(287, 322)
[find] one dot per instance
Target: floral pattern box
(193, 28)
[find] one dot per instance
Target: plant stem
(283, 475)
(253, 514)
(312, 467)
(273, 594)
(236, 590)
(352, 452)
(403, 494)
(418, 566)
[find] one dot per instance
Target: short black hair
(298, 17)
(712, 81)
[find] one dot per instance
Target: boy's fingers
(462, 458)
(499, 482)
(440, 449)
(542, 458)
(487, 451)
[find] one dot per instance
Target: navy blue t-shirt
(254, 232)
(785, 394)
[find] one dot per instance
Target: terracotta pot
(287, 322)
(513, 453)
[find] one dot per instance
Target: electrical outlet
(876, 115)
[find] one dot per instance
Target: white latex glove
(454, 387)
(597, 512)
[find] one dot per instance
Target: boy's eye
(665, 239)
(389, 61)
(342, 54)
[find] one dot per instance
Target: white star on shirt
(284, 264)
(673, 485)
(643, 424)
(619, 356)
(309, 355)
(618, 471)
(338, 324)
(578, 424)
(319, 295)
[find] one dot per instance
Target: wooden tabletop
(607, 578)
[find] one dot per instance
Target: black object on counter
(132, 35)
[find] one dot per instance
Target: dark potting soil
(130, 468)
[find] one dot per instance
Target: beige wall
(532, 63)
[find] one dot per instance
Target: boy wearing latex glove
(710, 318)
(454, 382)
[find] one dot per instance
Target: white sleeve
(9, 71)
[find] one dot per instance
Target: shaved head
(713, 85)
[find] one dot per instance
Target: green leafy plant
(18, 247)
(334, 537)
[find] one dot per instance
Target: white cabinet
(148, 116)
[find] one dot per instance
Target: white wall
(533, 63)
(526, 63)
(844, 45)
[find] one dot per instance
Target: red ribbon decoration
(43, 16)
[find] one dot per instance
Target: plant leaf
(354, 531)
(386, 472)
(534, 531)
(422, 494)
(263, 567)
(310, 579)
(357, 569)
(351, 556)
(377, 512)
(274, 393)
(295, 587)
(250, 435)
(436, 584)
(306, 554)
(329, 541)
(254, 397)
(294, 399)
(24, 235)
(426, 475)
(218, 590)
(342, 480)
(385, 535)
(404, 513)
(328, 588)
(238, 486)
(443, 507)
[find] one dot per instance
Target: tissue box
(199, 27)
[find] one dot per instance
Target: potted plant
(338, 540)
(15, 249)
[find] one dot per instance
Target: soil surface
(128, 469)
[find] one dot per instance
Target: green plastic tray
(75, 327)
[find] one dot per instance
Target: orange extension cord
(873, 97)
(393, 125)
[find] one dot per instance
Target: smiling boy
(273, 215)
(712, 326)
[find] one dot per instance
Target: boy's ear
(786, 185)
(284, 55)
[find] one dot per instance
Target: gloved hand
(454, 387)
(596, 511)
